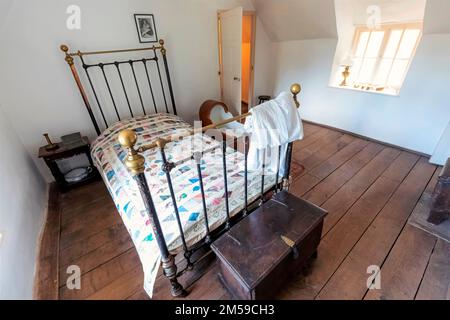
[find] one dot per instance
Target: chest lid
(254, 246)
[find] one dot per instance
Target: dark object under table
(266, 249)
(65, 151)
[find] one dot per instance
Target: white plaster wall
(39, 91)
(436, 17)
(23, 197)
(415, 120)
(264, 63)
(391, 11)
(287, 20)
(442, 151)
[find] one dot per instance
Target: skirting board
(46, 278)
(367, 138)
(442, 152)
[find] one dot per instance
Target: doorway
(236, 58)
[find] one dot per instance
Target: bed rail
(135, 162)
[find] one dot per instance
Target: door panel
(231, 37)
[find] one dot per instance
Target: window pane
(383, 72)
(398, 73)
(375, 41)
(408, 43)
(367, 70)
(393, 43)
(354, 70)
(363, 38)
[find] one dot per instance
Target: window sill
(386, 93)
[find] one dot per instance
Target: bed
(175, 187)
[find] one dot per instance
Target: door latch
(291, 244)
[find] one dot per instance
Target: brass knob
(134, 161)
(296, 88)
(127, 138)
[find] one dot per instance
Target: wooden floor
(369, 189)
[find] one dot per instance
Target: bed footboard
(135, 163)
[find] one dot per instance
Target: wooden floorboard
(435, 284)
(140, 294)
(327, 167)
(403, 269)
(103, 275)
(301, 153)
(80, 228)
(436, 281)
(337, 243)
(349, 281)
(402, 272)
(369, 189)
(99, 256)
(46, 282)
(122, 287)
(310, 139)
(70, 254)
(338, 204)
(328, 186)
(208, 287)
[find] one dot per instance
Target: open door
(230, 51)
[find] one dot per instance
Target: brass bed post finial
(134, 161)
(68, 57)
(295, 90)
(161, 43)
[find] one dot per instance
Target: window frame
(387, 28)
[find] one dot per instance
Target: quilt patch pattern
(109, 158)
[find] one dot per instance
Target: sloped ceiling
(287, 20)
(436, 17)
(391, 11)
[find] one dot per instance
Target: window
(381, 57)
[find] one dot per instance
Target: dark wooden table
(63, 152)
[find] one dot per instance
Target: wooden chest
(263, 251)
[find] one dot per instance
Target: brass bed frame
(135, 161)
(158, 53)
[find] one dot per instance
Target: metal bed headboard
(116, 70)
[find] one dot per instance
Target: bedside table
(64, 152)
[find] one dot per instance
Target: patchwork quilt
(109, 158)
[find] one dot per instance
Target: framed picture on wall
(145, 24)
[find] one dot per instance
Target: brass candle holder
(50, 145)
(345, 74)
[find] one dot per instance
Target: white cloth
(272, 124)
